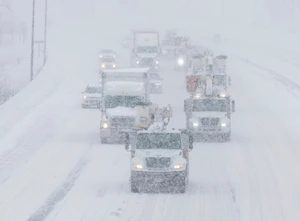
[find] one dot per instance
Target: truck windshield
(146, 49)
(122, 101)
(158, 141)
(93, 90)
(106, 51)
(108, 59)
(220, 80)
(209, 105)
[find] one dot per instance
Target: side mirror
(191, 142)
(127, 142)
(185, 106)
(233, 106)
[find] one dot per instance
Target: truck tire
(104, 140)
(182, 186)
(133, 186)
(227, 137)
(182, 183)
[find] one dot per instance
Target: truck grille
(154, 162)
(210, 121)
(146, 62)
(122, 122)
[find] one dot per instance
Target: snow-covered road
(53, 167)
(66, 174)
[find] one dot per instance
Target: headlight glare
(105, 125)
(223, 124)
(195, 124)
(197, 95)
(178, 166)
(138, 166)
(180, 61)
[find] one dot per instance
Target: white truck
(159, 157)
(146, 50)
(125, 103)
(209, 116)
(123, 90)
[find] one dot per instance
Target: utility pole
(32, 42)
(45, 31)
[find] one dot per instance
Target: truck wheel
(133, 186)
(182, 183)
(182, 186)
(227, 136)
(104, 140)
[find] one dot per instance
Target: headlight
(105, 125)
(114, 56)
(100, 56)
(138, 166)
(180, 61)
(137, 62)
(197, 95)
(223, 124)
(156, 62)
(84, 97)
(178, 166)
(114, 65)
(223, 95)
(195, 124)
(164, 52)
(103, 65)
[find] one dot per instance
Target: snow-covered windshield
(158, 141)
(146, 49)
(93, 90)
(220, 80)
(108, 59)
(122, 101)
(209, 105)
(107, 52)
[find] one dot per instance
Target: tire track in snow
(27, 145)
(60, 193)
(276, 76)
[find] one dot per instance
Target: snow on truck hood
(124, 86)
(157, 152)
(121, 111)
(93, 95)
(209, 114)
(147, 55)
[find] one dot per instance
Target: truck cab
(209, 116)
(160, 158)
